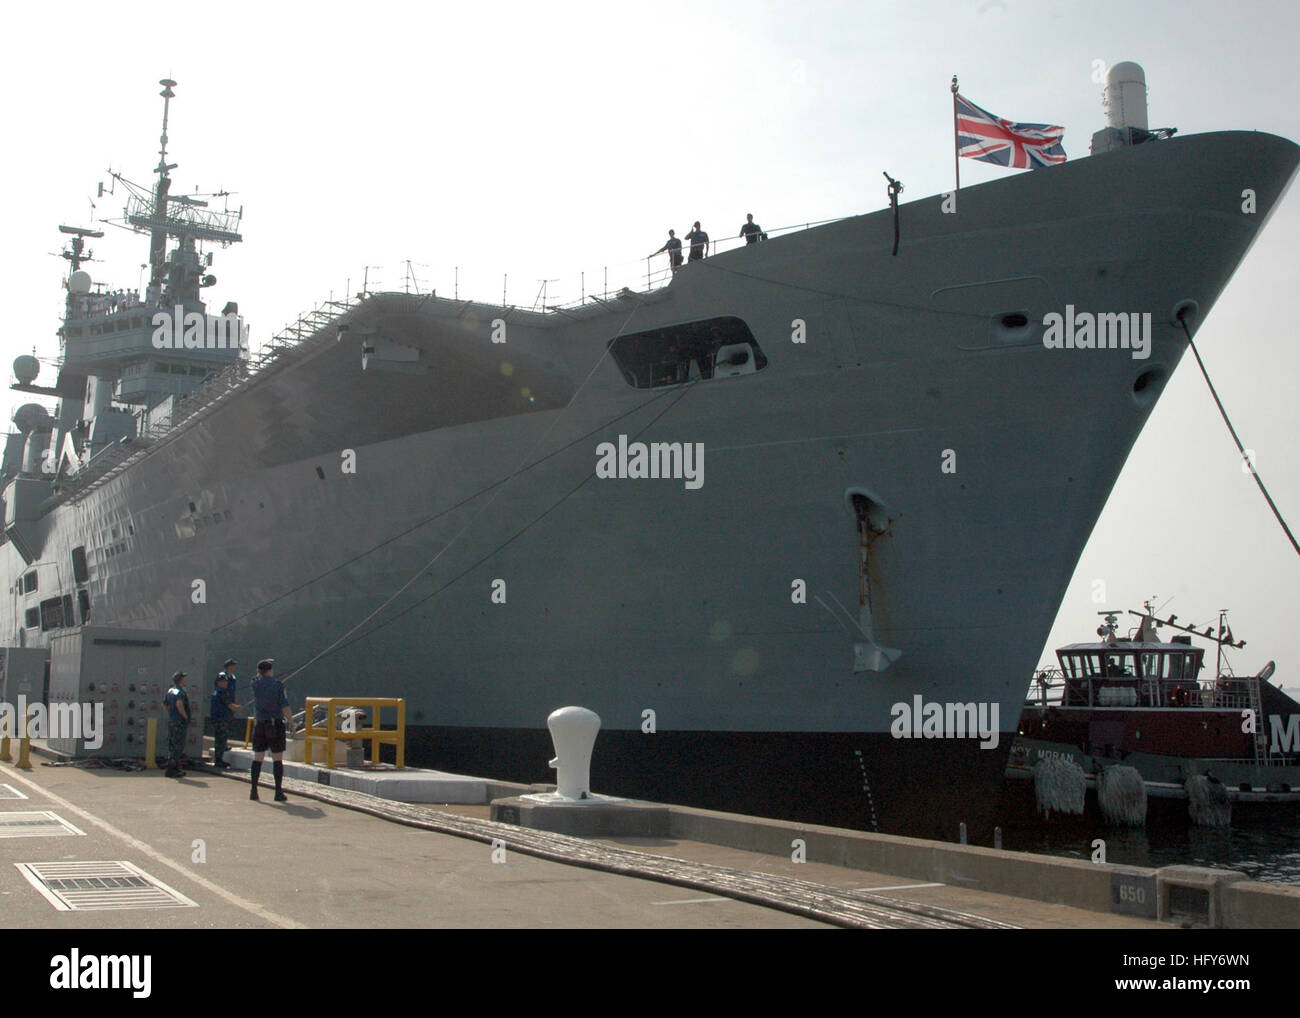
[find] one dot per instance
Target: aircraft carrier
(409, 495)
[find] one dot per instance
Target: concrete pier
(341, 853)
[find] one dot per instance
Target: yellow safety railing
(326, 735)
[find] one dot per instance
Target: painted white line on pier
(264, 914)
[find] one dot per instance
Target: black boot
(277, 768)
(257, 771)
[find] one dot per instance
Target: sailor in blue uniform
(177, 703)
(269, 732)
(221, 712)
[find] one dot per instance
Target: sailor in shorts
(274, 720)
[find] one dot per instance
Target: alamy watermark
(921, 720)
(1084, 330)
(679, 460)
(84, 721)
(181, 330)
(75, 971)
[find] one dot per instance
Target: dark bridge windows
(80, 570)
(713, 347)
(52, 614)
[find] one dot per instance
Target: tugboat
(1122, 710)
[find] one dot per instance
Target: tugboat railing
(1051, 687)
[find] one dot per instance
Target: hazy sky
(543, 140)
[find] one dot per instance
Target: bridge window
(677, 354)
(1119, 666)
(80, 569)
(52, 614)
(1180, 666)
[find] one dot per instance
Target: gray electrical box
(23, 673)
(128, 671)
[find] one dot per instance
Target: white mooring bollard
(573, 730)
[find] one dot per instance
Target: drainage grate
(83, 886)
(43, 824)
(9, 792)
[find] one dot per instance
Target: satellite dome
(26, 368)
(79, 282)
(31, 417)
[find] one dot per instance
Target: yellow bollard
(151, 745)
(5, 755)
(24, 746)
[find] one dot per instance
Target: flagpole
(956, 145)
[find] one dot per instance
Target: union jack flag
(981, 135)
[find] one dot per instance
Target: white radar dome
(1126, 96)
(26, 368)
(79, 282)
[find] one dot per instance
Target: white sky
(541, 140)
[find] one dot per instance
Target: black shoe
(252, 794)
(171, 772)
(221, 765)
(281, 797)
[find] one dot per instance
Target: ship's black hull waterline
(861, 781)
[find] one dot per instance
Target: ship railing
(1264, 761)
(1051, 687)
(653, 273)
(1047, 688)
(1215, 695)
(586, 289)
(101, 308)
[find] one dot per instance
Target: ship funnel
(1125, 98)
(573, 730)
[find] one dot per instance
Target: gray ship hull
(634, 595)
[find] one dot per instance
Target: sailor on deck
(699, 241)
(674, 248)
(751, 231)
